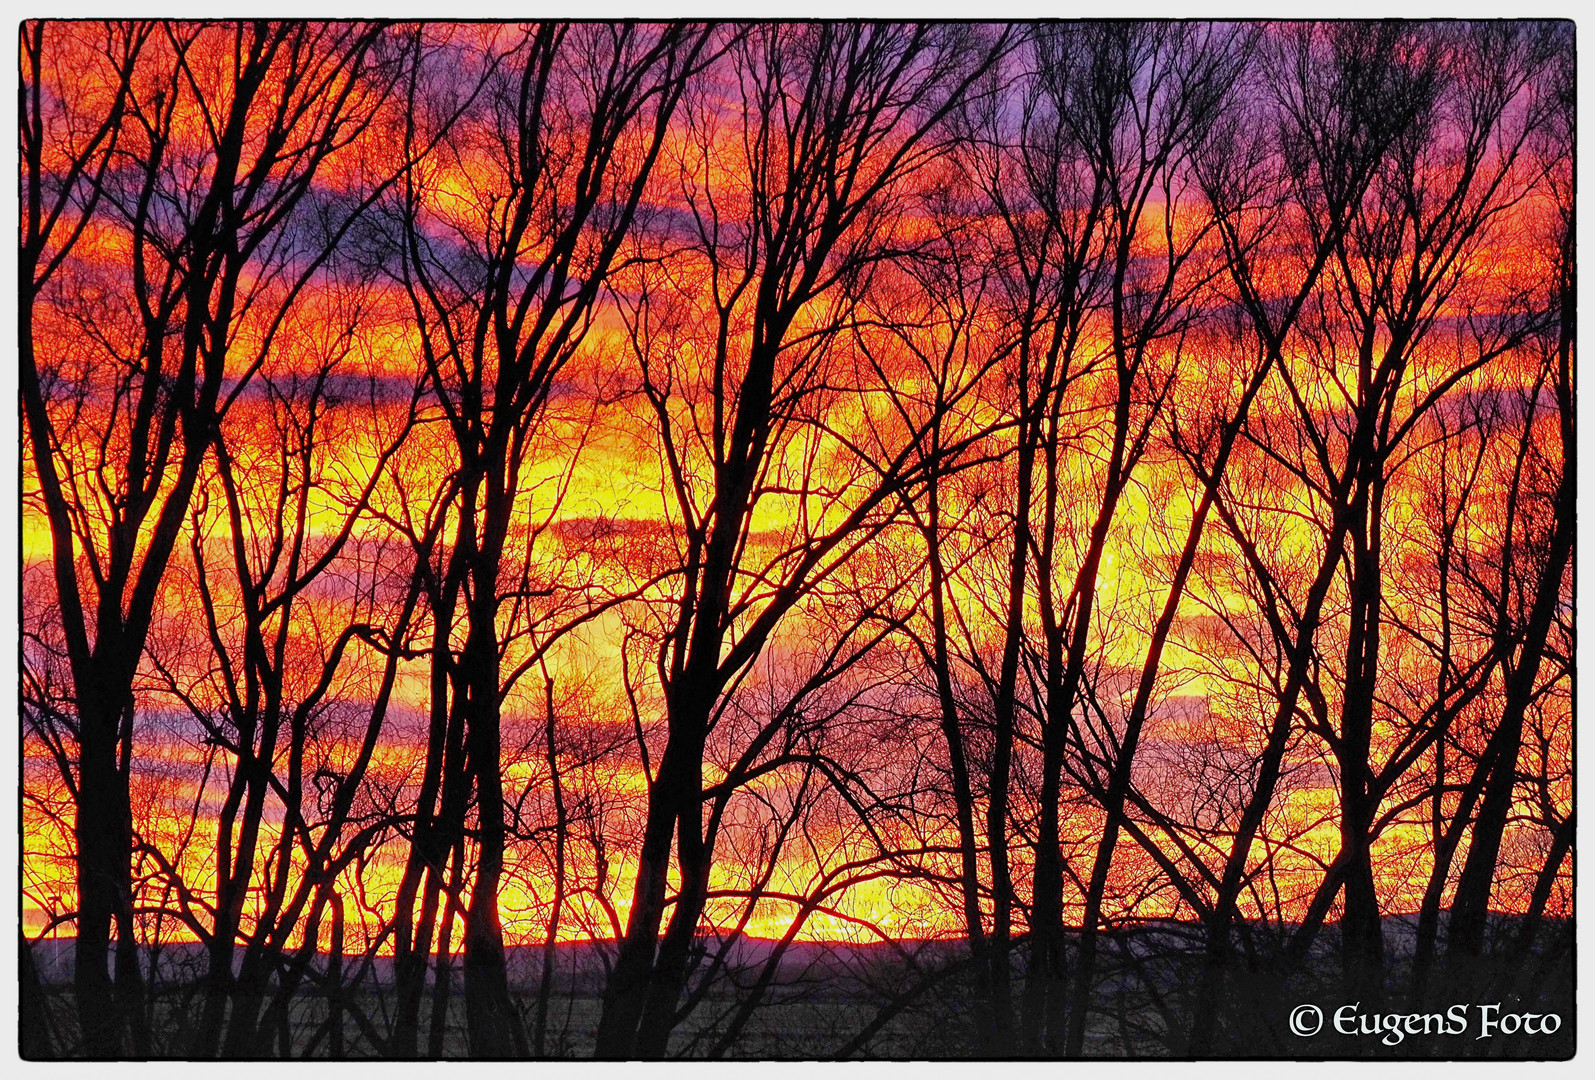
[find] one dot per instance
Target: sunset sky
(681, 384)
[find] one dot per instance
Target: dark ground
(914, 1000)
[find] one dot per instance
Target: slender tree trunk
(645, 987)
(1119, 780)
(443, 968)
(545, 985)
(1047, 897)
(1361, 931)
(436, 832)
(1218, 951)
(1470, 905)
(963, 794)
(414, 935)
(1561, 844)
(670, 969)
(1445, 849)
(493, 1023)
(1002, 752)
(130, 989)
(628, 982)
(335, 983)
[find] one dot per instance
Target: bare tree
(776, 525)
(510, 229)
(274, 522)
(833, 118)
(1470, 905)
(1339, 453)
(199, 186)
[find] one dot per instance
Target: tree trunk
(963, 794)
(545, 984)
(335, 982)
(104, 872)
(627, 989)
(492, 1021)
(1470, 905)
(1361, 931)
